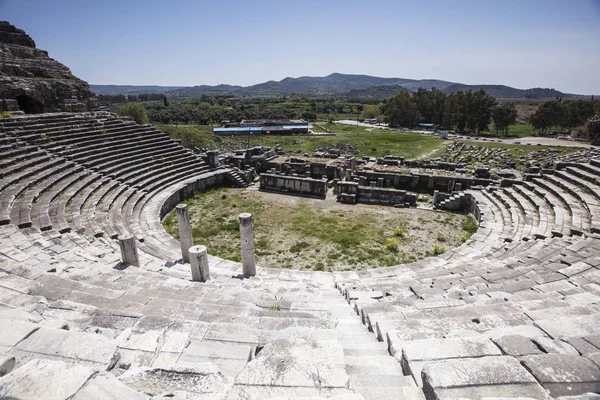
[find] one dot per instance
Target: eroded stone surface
(563, 374)
(195, 379)
(44, 379)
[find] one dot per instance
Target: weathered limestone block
(517, 345)
(247, 245)
(106, 386)
(185, 231)
(476, 378)
(290, 371)
(417, 354)
(88, 348)
(44, 379)
(14, 331)
(564, 375)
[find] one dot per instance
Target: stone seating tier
(514, 308)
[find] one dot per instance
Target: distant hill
(507, 92)
(353, 86)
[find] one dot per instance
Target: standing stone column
(129, 254)
(199, 263)
(185, 231)
(247, 244)
(436, 197)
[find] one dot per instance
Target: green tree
(594, 128)
(401, 110)
(134, 110)
(371, 111)
(504, 115)
(550, 114)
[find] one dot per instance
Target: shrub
(439, 249)
(134, 110)
(470, 224)
(5, 114)
(441, 237)
(319, 266)
(400, 232)
(391, 244)
(298, 247)
(463, 237)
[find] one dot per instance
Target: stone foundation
(293, 185)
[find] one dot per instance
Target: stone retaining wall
(419, 182)
(294, 185)
(189, 190)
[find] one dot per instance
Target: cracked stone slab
(292, 372)
(475, 378)
(44, 379)
(564, 375)
(195, 379)
(14, 331)
(106, 386)
(58, 343)
(416, 354)
(582, 325)
(320, 351)
(517, 345)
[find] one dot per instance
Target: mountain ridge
(351, 85)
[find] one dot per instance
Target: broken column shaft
(199, 263)
(129, 253)
(185, 231)
(247, 245)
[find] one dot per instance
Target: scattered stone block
(476, 378)
(517, 345)
(86, 348)
(44, 379)
(105, 386)
(564, 375)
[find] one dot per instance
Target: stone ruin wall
(32, 82)
(293, 185)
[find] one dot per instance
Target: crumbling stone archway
(29, 105)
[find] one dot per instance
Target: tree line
(562, 115)
(472, 111)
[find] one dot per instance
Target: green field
(368, 141)
(515, 130)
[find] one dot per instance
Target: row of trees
(469, 110)
(558, 114)
(185, 113)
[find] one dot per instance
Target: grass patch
(470, 225)
(439, 249)
(304, 236)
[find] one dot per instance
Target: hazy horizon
(549, 44)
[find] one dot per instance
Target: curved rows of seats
(92, 173)
(283, 333)
(528, 310)
(512, 312)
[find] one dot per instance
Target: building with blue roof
(266, 127)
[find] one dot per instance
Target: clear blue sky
(523, 43)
